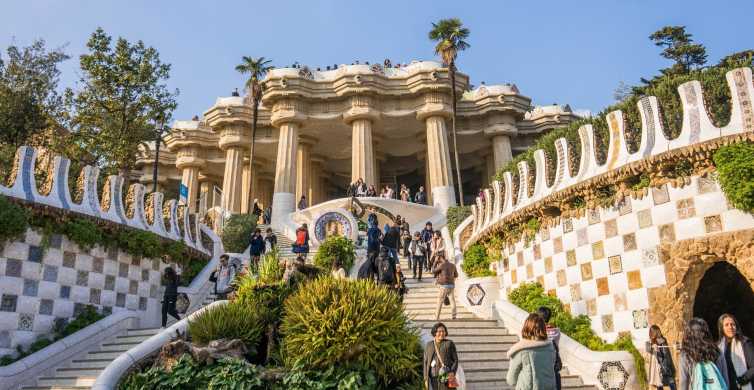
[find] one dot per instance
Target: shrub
(456, 215)
(476, 263)
(139, 243)
(230, 321)
(350, 324)
(227, 373)
(270, 269)
(191, 269)
(86, 317)
(83, 232)
(237, 232)
(14, 220)
(335, 247)
(735, 166)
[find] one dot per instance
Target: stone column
(362, 152)
(315, 191)
(303, 169)
(245, 186)
(501, 149)
(438, 157)
(232, 179)
(189, 162)
(206, 189)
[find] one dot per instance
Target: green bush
(735, 166)
(140, 243)
(83, 232)
(335, 247)
(230, 321)
(225, 374)
(531, 296)
(350, 325)
(456, 215)
(476, 263)
(14, 220)
(237, 232)
(191, 269)
(270, 270)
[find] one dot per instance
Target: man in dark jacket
(391, 240)
(427, 234)
(420, 197)
(256, 247)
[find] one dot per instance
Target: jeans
(445, 292)
(393, 252)
(168, 307)
(420, 261)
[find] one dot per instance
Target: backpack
(385, 269)
(301, 237)
(706, 376)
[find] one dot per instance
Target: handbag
(442, 375)
(446, 302)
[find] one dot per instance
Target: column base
(283, 203)
(443, 197)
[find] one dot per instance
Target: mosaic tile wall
(603, 264)
(38, 286)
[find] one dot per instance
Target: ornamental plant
(335, 247)
(735, 167)
(476, 262)
(456, 215)
(14, 220)
(237, 232)
(230, 321)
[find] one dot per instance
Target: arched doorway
(723, 289)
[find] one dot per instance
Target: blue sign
(183, 194)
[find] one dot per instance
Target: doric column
(500, 128)
(434, 112)
(188, 161)
(232, 141)
(304, 168)
(207, 191)
(287, 117)
(501, 149)
(362, 116)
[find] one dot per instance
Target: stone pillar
(304, 169)
(427, 184)
(232, 179)
(283, 198)
(438, 157)
(206, 189)
(245, 186)
(315, 190)
(189, 162)
(501, 149)
(362, 152)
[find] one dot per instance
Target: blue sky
(573, 52)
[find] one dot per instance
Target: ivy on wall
(735, 166)
(456, 215)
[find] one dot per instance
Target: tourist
(427, 234)
(351, 190)
(445, 274)
(267, 215)
(405, 242)
(386, 271)
(481, 196)
(338, 272)
(391, 239)
(256, 210)
(256, 247)
(661, 368)
(737, 354)
(699, 354)
(361, 188)
(553, 334)
(371, 192)
(420, 197)
(374, 236)
(418, 251)
(170, 296)
(302, 204)
(532, 358)
(270, 240)
(405, 193)
(437, 247)
(387, 63)
(301, 245)
(440, 360)
(389, 192)
(225, 275)
(400, 279)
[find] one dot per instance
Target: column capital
(308, 140)
(188, 157)
(501, 129)
(287, 111)
(362, 107)
(233, 135)
(435, 104)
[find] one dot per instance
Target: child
(418, 253)
(553, 334)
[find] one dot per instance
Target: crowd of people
(360, 188)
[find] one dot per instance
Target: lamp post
(157, 142)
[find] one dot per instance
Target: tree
(450, 36)
(29, 102)
(123, 100)
(256, 68)
(680, 48)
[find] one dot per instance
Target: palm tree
(450, 36)
(256, 68)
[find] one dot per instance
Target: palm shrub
(14, 220)
(735, 166)
(350, 324)
(335, 247)
(230, 321)
(476, 262)
(237, 232)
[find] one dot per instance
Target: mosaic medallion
(613, 376)
(475, 294)
(332, 223)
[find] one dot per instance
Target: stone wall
(39, 285)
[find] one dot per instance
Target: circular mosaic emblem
(613, 376)
(475, 294)
(332, 223)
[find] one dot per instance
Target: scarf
(738, 358)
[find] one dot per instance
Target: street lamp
(161, 129)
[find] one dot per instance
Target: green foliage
(225, 374)
(456, 215)
(86, 317)
(230, 321)
(14, 220)
(531, 296)
(83, 232)
(451, 36)
(237, 232)
(140, 243)
(331, 378)
(335, 248)
(735, 166)
(639, 182)
(476, 263)
(350, 324)
(192, 268)
(680, 48)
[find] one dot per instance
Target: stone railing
(697, 129)
(165, 218)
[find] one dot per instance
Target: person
(532, 358)
(170, 296)
(371, 191)
(391, 239)
(351, 190)
(338, 272)
(386, 273)
(267, 215)
(374, 236)
(437, 247)
(302, 204)
(699, 356)
(225, 275)
(301, 245)
(440, 359)
(405, 194)
(405, 242)
(270, 240)
(361, 188)
(420, 197)
(256, 209)
(389, 192)
(553, 334)
(445, 274)
(737, 354)
(661, 368)
(418, 255)
(400, 279)
(427, 234)
(256, 247)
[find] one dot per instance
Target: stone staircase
(285, 245)
(482, 344)
(83, 369)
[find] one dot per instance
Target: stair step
(481, 332)
(90, 363)
(475, 338)
(78, 372)
(105, 354)
(131, 339)
(482, 347)
(445, 316)
(469, 365)
(482, 355)
(464, 323)
(56, 387)
(413, 306)
(143, 331)
(67, 381)
(118, 346)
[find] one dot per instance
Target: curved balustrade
(111, 207)
(697, 128)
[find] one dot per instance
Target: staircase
(482, 344)
(83, 370)
(285, 245)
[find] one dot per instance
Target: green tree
(29, 101)
(123, 100)
(256, 68)
(680, 48)
(451, 35)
